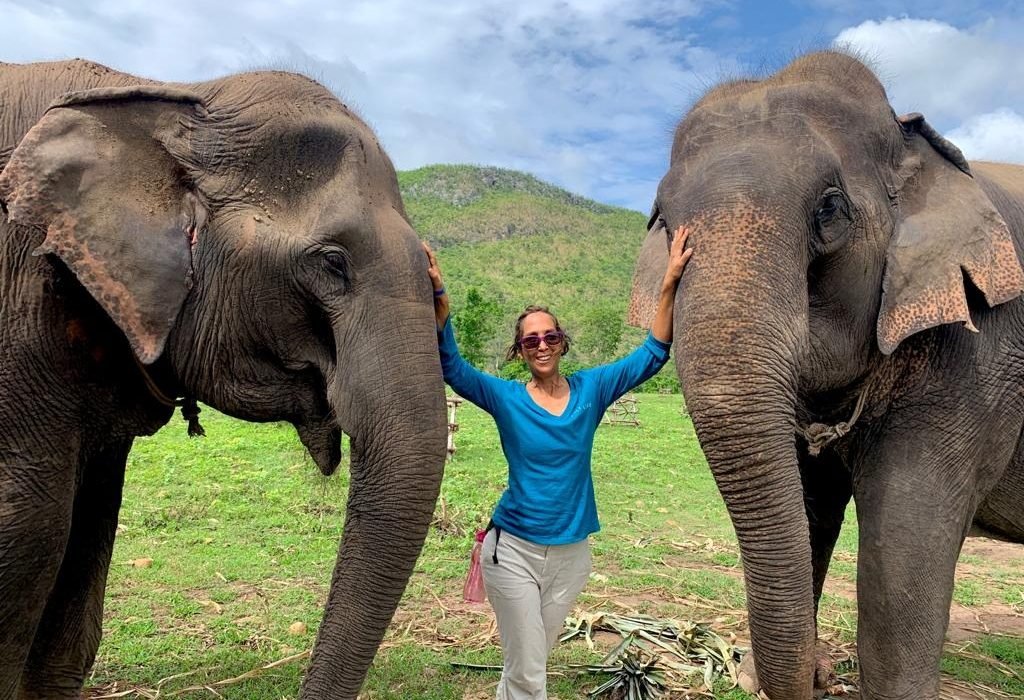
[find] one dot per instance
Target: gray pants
(531, 588)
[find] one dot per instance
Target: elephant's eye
(833, 202)
(832, 218)
(337, 264)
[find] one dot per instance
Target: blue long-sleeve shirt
(550, 494)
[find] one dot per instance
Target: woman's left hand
(678, 255)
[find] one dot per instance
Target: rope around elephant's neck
(820, 435)
(189, 405)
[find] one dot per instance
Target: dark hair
(513, 350)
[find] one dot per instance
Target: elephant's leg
(915, 495)
(35, 518)
(827, 490)
(1002, 510)
(69, 633)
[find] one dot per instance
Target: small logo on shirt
(581, 409)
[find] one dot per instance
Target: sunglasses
(532, 342)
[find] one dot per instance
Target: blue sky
(582, 93)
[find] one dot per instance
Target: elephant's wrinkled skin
(841, 251)
(242, 241)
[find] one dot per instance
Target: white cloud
(583, 93)
(969, 83)
(580, 92)
(948, 74)
(995, 136)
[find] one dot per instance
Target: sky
(581, 93)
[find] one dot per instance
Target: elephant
(240, 242)
(850, 326)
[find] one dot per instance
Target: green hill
(506, 239)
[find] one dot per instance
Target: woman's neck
(548, 385)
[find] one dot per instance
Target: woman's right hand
(678, 255)
(440, 295)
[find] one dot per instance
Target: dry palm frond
(655, 657)
(635, 674)
(682, 649)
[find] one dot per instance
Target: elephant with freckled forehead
(850, 326)
(241, 242)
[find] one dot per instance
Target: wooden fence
(622, 412)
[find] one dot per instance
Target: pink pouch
(473, 589)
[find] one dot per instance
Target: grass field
(226, 546)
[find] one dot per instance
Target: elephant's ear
(649, 272)
(116, 207)
(946, 228)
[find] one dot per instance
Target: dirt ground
(966, 623)
(449, 623)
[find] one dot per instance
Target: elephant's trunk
(741, 323)
(396, 420)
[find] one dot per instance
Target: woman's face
(542, 360)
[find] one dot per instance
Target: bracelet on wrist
(439, 292)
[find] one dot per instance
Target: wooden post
(453, 403)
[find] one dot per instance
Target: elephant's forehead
(272, 92)
(352, 198)
(784, 114)
(279, 118)
(290, 165)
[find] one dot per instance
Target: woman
(536, 552)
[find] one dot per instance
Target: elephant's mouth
(322, 439)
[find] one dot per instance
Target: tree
(474, 325)
(603, 328)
